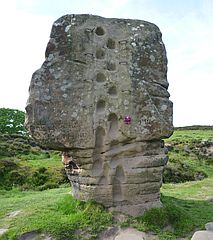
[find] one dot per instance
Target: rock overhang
(103, 88)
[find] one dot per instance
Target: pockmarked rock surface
(101, 98)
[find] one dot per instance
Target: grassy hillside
(190, 155)
(26, 166)
(184, 135)
(23, 164)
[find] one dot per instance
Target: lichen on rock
(101, 98)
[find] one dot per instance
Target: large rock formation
(101, 98)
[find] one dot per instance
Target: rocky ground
(116, 233)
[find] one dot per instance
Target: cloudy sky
(187, 27)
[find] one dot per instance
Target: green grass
(53, 211)
(191, 136)
(50, 163)
(184, 166)
(187, 159)
(185, 209)
(32, 171)
(196, 190)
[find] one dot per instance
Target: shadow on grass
(177, 218)
(198, 212)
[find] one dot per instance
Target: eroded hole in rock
(112, 91)
(116, 190)
(100, 53)
(103, 181)
(116, 184)
(99, 137)
(110, 43)
(100, 77)
(106, 169)
(97, 167)
(70, 164)
(119, 173)
(74, 168)
(99, 31)
(111, 66)
(100, 107)
(113, 125)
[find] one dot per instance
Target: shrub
(12, 121)
(11, 174)
(39, 177)
(177, 174)
(47, 185)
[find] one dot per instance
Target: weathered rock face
(101, 98)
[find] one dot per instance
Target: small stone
(108, 234)
(209, 198)
(202, 235)
(130, 233)
(14, 214)
(118, 217)
(209, 226)
(133, 234)
(34, 235)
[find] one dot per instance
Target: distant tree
(11, 121)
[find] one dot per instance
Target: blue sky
(187, 33)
